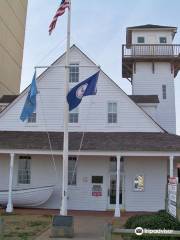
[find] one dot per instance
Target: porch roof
(92, 141)
(145, 98)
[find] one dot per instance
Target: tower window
(163, 40)
(164, 94)
(153, 67)
(140, 40)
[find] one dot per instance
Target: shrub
(160, 220)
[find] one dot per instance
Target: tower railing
(151, 50)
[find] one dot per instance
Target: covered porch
(114, 171)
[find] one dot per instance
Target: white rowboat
(30, 197)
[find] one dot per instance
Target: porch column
(171, 166)
(117, 208)
(9, 208)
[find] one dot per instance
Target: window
(139, 183)
(74, 73)
(24, 170)
(164, 94)
(163, 40)
(32, 118)
(140, 40)
(97, 179)
(72, 171)
(112, 112)
(74, 116)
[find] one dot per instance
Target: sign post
(172, 196)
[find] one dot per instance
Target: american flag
(61, 10)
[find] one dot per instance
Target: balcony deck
(151, 53)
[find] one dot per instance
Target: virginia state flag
(30, 103)
(85, 88)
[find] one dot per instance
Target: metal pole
(63, 210)
(9, 207)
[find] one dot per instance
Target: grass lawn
(24, 227)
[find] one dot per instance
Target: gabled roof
(151, 26)
(145, 98)
(92, 141)
(147, 27)
(55, 62)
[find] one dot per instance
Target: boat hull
(27, 197)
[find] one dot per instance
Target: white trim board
(95, 153)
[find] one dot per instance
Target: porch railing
(151, 50)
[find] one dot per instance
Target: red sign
(96, 194)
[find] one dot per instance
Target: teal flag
(30, 103)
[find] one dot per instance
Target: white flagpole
(63, 210)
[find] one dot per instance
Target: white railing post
(9, 208)
(171, 166)
(117, 208)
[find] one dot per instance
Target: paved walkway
(88, 224)
(86, 227)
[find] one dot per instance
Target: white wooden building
(135, 133)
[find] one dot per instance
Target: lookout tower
(150, 61)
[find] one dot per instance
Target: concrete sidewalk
(89, 225)
(86, 227)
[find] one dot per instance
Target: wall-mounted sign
(172, 195)
(97, 191)
(138, 183)
(97, 179)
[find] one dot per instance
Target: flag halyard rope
(48, 136)
(81, 142)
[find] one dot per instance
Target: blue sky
(98, 28)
